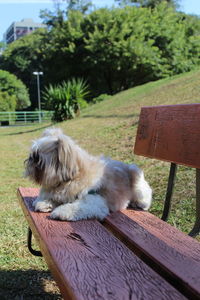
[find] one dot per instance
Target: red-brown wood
(170, 133)
(166, 249)
(89, 263)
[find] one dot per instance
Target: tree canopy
(112, 49)
(148, 3)
(13, 93)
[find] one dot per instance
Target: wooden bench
(132, 254)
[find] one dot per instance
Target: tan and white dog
(76, 185)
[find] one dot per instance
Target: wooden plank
(165, 248)
(170, 133)
(89, 263)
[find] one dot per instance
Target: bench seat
(131, 255)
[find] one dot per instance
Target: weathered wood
(170, 133)
(89, 263)
(196, 229)
(173, 254)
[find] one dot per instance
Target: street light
(38, 88)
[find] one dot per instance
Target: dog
(76, 185)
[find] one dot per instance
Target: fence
(24, 117)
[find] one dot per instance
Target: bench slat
(164, 247)
(90, 263)
(170, 133)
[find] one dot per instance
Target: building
(19, 29)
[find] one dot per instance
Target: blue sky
(16, 10)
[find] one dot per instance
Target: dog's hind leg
(142, 192)
(90, 206)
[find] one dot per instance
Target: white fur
(90, 206)
(67, 173)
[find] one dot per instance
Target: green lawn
(106, 128)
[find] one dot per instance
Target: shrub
(13, 86)
(66, 99)
(7, 102)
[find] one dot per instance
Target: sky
(16, 10)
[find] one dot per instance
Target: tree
(23, 57)
(113, 49)
(2, 45)
(81, 5)
(64, 50)
(148, 3)
(7, 102)
(60, 13)
(120, 52)
(13, 91)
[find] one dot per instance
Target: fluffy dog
(76, 185)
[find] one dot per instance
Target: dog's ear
(67, 159)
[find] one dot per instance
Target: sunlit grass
(106, 128)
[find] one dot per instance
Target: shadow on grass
(27, 131)
(27, 284)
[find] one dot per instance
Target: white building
(19, 29)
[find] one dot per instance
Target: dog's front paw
(63, 213)
(91, 206)
(42, 205)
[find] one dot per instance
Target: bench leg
(29, 244)
(170, 188)
(196, 229)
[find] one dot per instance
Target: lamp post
(38, 89)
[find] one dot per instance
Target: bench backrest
(170, 133)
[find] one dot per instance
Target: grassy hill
(106, 128)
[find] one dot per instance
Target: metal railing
(24, 117)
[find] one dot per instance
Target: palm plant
(66, 99)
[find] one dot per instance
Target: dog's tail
(142, 192)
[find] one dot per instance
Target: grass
(105, 128)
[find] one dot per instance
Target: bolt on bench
(132, 254)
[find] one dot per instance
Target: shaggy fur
(76, 185)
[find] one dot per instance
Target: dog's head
(53, 159)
